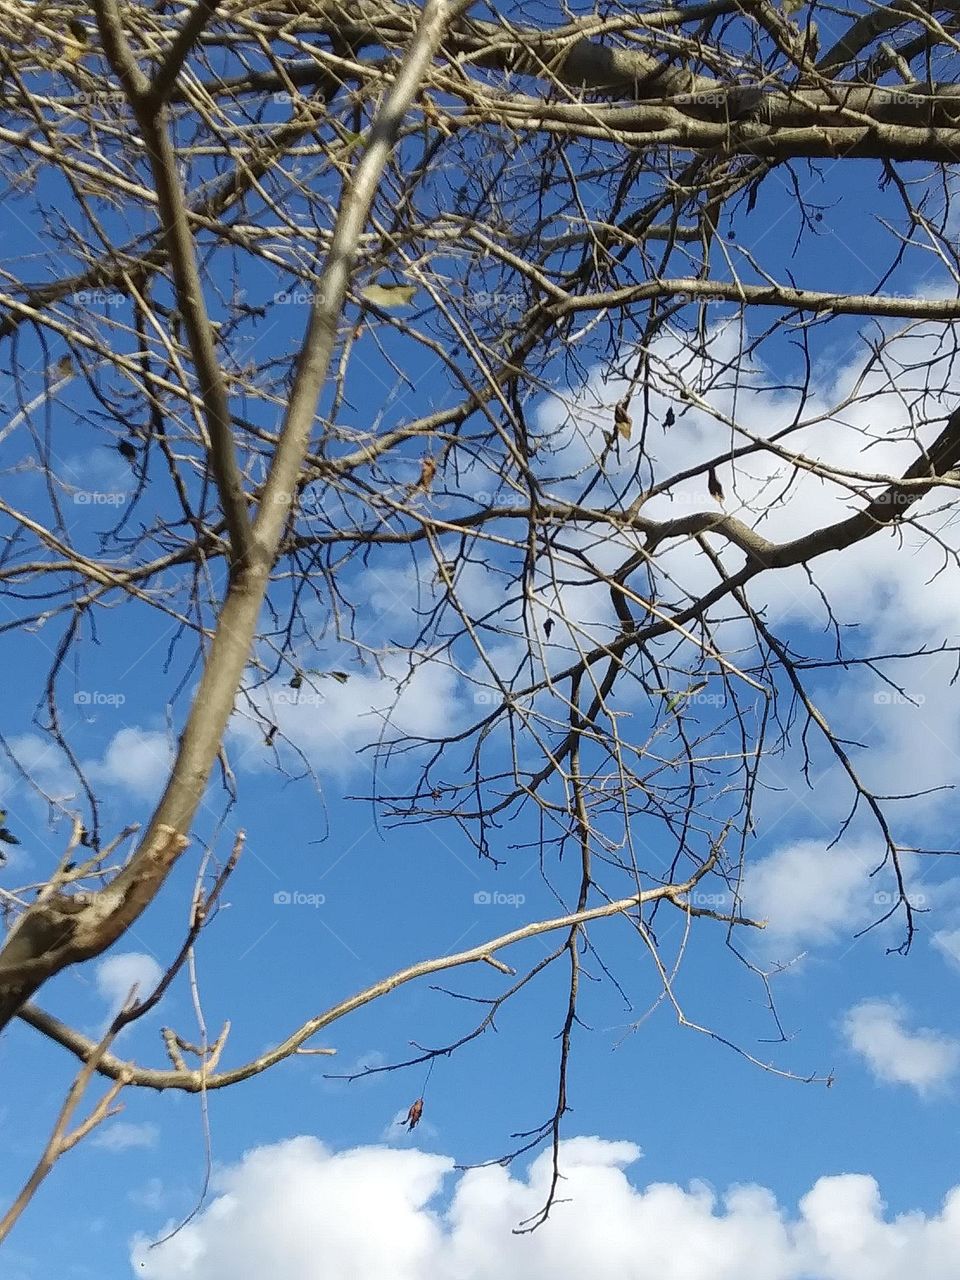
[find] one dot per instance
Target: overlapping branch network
(610, 407)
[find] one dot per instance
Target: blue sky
(311, 1172)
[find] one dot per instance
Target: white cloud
(809, 894)
(923, 1059)
(123, 1135)
(118, 973)
(297, 1211)
(43, 760)
(867, 422)
(894, 592)
(136, 760)
(330, 721)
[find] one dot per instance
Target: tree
(623, 444)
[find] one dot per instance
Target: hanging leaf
(622, 419)
(341, 677)
(389, 296)
(428, 469)
(295, 681)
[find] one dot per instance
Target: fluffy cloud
(922, 1059)
(330, 721)
(42, 759)
(864, 422)
(136, 760)
(895, 592)
(118, 973)
(298, 1211)
(809, 894)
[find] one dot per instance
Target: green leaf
(389, 296)
(675, 699)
